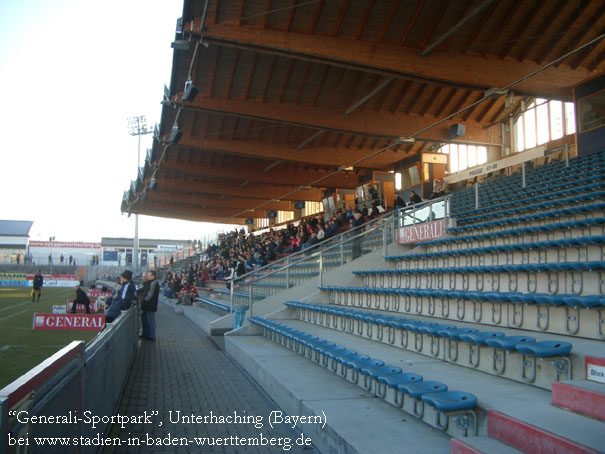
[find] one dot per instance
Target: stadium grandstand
(419, 265)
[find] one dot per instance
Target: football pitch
(22, 348)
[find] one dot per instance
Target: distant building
(14, 237)
(118, 251)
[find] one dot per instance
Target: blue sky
(71, 73)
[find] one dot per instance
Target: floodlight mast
(137, 126)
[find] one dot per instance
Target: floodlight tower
(137, 126)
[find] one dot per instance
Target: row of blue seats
(214, 303)
(518, 247)
(497, 297)
(433, 393)
(501, 189)
(495, 339)
(522, 206)
(533, 186)
(239, 294)
(533, 230)
(512, 199)
(505, 268)
(565, 212)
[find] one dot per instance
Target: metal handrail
(377, 225)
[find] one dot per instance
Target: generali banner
(78, 322)
(421, 232)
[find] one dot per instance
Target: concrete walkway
(184, 371)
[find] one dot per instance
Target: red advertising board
(82, 322)
(57, 277)
(421, 232)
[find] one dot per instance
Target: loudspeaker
(299, 205)
(190, 91)
(175, 135)
(457, 130)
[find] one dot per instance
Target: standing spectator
(61, 259)
(149, 306)
(81, 298)
(38, 283)
(50, 259)
(71, 259)
(18, 259)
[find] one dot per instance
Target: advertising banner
(59, 309)
(96, 293)
(421, 232)
(53, 283)
(79, 322)
(58, 277)
(12, 276)
(23, 283)
(65, 244)
(93, 306)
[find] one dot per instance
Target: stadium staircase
(476, 342)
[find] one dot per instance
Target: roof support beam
(253, 191)
(403, 62)
(461, 23)
(317, 155)
(297, 177)
(382, 125)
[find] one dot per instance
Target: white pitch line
(16, 305)
(13, 315)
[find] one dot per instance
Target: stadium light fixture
(137, 126)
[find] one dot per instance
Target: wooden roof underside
(291, 92)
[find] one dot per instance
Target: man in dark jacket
(38, 283)
(81, 298)
(126, 297)
(149, 305)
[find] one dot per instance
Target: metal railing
(77, 379)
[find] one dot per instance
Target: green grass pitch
(22, 347)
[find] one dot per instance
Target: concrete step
(356, 422)
(529, 405)
(581, 396)
(510, 365)
(536, 439)
(203, 317)
(480, 445)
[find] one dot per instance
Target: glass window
(481, 155)
(542, 123)
(592, 111)
(462, 157)
(570, 118)
(556, 120)
(454, 161)
(397, 181)
(519, 136)
(530, 128)
(472, 155)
